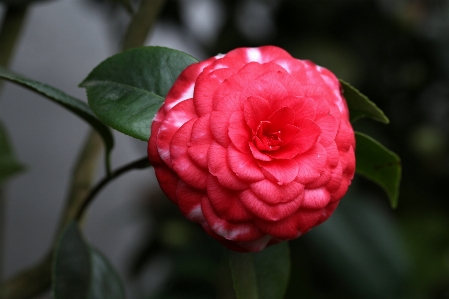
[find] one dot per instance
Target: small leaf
(8, 163)
(126, 90)
(80, 271)
(262, 275)
(72, 104)
(380, 165)
(360, 106)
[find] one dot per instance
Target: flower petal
(316, 198)
(310, 164)
(175, 118)
(234, 231)
(219, 167)
(272, 193)
(283, 171)
(239, 133)
(205, 87)
(226, 202)
(256, 109)
(188, 171)
(244, 165)
(189, 202)
(266, 211)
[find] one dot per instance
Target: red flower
(254, 145)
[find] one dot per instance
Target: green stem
(11, 27)
(142, 23)
(138, 164)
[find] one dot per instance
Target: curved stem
(138, 164)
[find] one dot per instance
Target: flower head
(254, 145)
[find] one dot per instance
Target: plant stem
(13, 21)
(11, 27)
(138, 164)
(142, 23)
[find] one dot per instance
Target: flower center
(267, 138)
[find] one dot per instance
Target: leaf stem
(138, 164)
(142, 23)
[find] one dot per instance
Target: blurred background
(395, 51)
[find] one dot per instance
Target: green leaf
(8, 163)
(262, 275)
(360, 106)
(380, 165)
(72, 104)
(126, 90)
(80, 271)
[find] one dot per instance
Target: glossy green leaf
(72, 104)
(262, 275)
(82, 272)
(380, 165)
(9, 166)
(126, 90)
(360, 106)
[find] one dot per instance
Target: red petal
(256, 109)
(311, 164)
(329, 127)
(205, 87)
(177, 116)
(244, 165)
(301, 71)
(316, 198)
(284, 171)
(239, 133)
(272, 193)
(168, 180)
(268, 87)
(341, 191)
(345, 136)
(335, 179)
(302, 106)
(201, 138)
(226, 202)
(308, 135)
(189, 172)
(282, 116)
(284, 229)
(189, 202)
(257, 154)
(288, 151)
(246, 231)
(183, 87)
(153, 154)
(269, 212)
(219, 126)
(218, 166)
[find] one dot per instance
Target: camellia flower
(254, 145)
